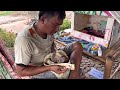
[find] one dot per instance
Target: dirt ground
(15, 22)
(19, 20)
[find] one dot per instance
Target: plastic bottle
(99, 51)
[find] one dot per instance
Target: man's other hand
(58, 69)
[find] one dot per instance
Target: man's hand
(58, 69)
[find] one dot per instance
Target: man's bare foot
(77, 75)
(74, 75)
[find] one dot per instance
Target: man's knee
(77, 46)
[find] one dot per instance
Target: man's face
(52, 25)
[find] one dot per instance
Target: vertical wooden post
(108, 68)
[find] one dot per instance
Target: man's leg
(74, 51)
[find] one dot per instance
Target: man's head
(50, 21)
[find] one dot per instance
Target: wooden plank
(115, 71)
(105, 52)
(115, 34)
(114, 45)
(101, 59)
(109, 49)
(6, 54)
(113, 50)
(115, 56)
(108, 68)
(117, 52)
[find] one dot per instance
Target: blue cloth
(87, 45)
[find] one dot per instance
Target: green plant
(4, 13)
(7, 37)
(66, 24)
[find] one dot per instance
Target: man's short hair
(61, 14)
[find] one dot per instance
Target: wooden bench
(7, 61)
(108, 57)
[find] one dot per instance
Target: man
(34, 43)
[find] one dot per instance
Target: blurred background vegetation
(66, 25)
(7, 37)
(4, 13)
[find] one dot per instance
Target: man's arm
(34, 70)
(26, 70)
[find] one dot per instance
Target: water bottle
(99, 51)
